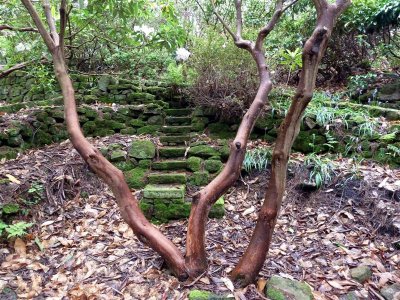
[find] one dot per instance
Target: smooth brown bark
(196, 257)
(253, 259)
(113, 177)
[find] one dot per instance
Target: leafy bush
(226, 76)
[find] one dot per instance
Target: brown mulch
(89, 252)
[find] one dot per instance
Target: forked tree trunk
(113, 177)
(196, 257)
(253, 259)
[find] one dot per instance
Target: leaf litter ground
(80, 248)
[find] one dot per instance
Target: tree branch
(50, 22)
(39, 24)
(21, 29)
(239, 18)
(63, 23)
(234, 37)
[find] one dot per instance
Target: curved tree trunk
(253, 259)
(113, 177)
(196, 257)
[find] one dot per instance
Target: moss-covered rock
(164, 191)
(155, 120)
(172, 210)
(8, 152)
(136, 178)
(361, 273)
(128, 131)
(280, 288)
(169, 165)
(194, 163)
(42, 138)
(124, 165)
(118, 155)
(309, 141)
(221, 130)
(218, 209)
(145, 163)
(166, 178)
(137, 123)
(199, 178)
(203, 151)
(213, 165)
(172, 152)
(149, 129)
(142, 150)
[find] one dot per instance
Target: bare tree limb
(239, 18)
(39, 24)
(63, 24)
(21, 29)
(234, 37)
(50, 22)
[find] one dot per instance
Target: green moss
(224, 152)
(149, 129)
(194, 163)
(280, 288)
(147, 209)
(42, 138)
(199, 178)
(118, 155)
(387, 138)
(199, 295)
(171, 210)
(124, 165)
(155, 120)
(142, 150)
(145, 163)
(128, 131)
(203, 151)
(221, 130)
(169, 152)
(275, 294)
(177, 139)
(218, 209)
(309, 141)
(166, 178)
(15, 141)
(136, 178)
(8, 152)
(164, 191)
(137, 123)
(169, 165)
(212, 165)
(103, 132)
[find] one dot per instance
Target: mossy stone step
(171, 152)
(176, 129)
(169, 165)
(174, 139)
(164, 191)
(178, 112)
(165, 178)
(178, 120)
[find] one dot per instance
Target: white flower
(182, 54)
(22, 47)
(146, 30)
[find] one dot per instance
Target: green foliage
(257, 159)
(18, 229)
(322, 169)
(35, 193)
(44, 79)
(2, 227)
(292, 60)
(358, 83)
(10, 208)
(393, 150)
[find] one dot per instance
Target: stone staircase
(164, 197)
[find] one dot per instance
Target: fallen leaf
(20, 247)
(13, 179)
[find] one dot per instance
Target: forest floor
(80, 247)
